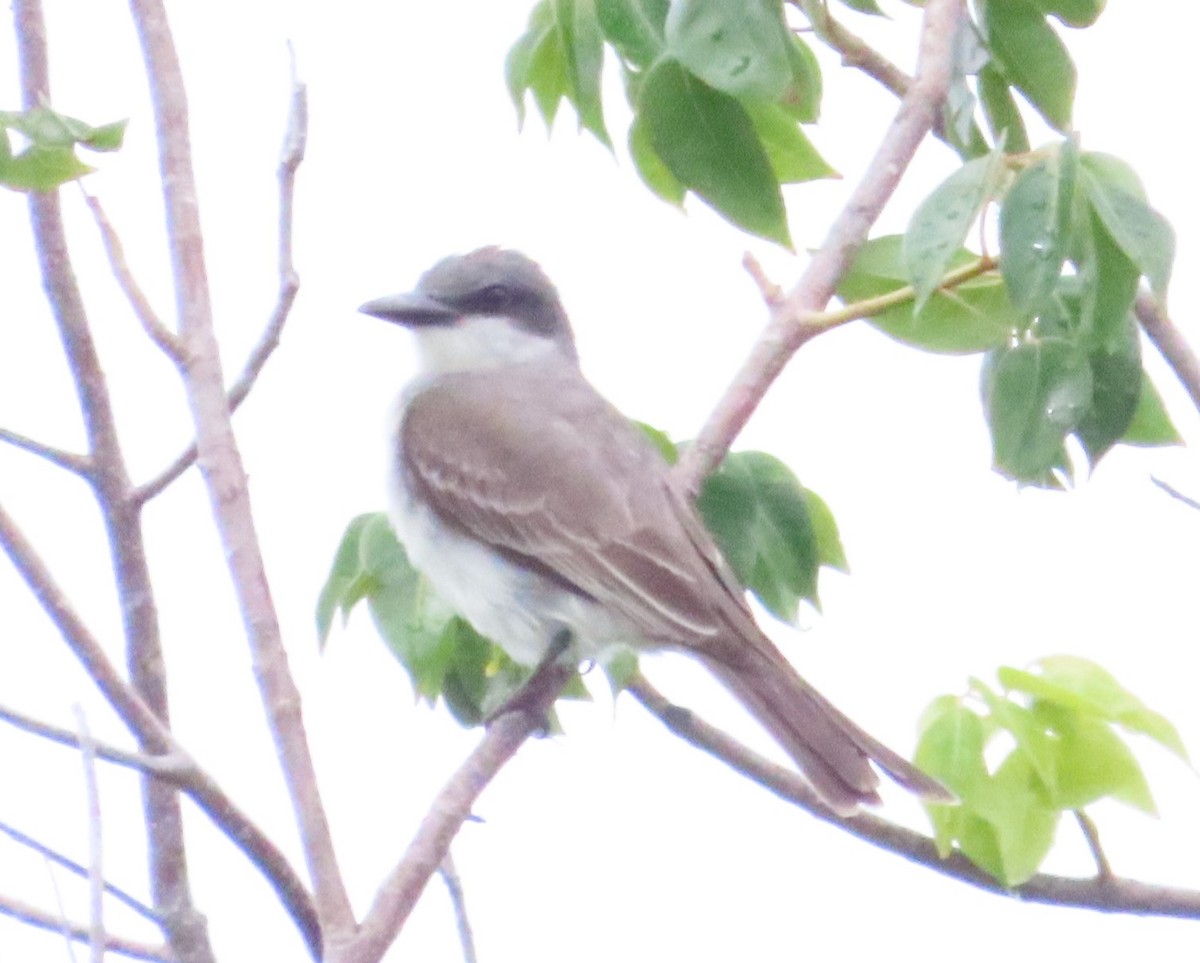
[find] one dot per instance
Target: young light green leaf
(1151, 425)
(735, 48)
(974, 316)
(1094, 763)
(938, 226)
(1013, 803)
(620, 669)
(950, 747)
(1035, 394)
(634, 27)
(1027, 732)
(1035, 229)
(1145, 236)
(347, 581)
(708, 142)
(41, 168)
(792, 155)
(519, 64)
(829, 542)
(802, 96)
(1033, 58)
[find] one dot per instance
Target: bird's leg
(549, 675)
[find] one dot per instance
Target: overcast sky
(616, 840)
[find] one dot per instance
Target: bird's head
(487, 309)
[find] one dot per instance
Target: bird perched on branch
(540, 513)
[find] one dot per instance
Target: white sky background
(616, 841)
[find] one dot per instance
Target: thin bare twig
(223, 471)
(156, 331)
(95, 871)
(447, 812)
(787, 330)
(294, 146)
(33, 916)
(72, 462)
(61, 859)
(1113, 894)
(1176, 493)
(466, 939)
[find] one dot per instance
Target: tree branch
(295, 143)
(1109, 894)
(152, 735)
(1092, 835)
(60, 859)
(76, 464)
(448, 811)
(1170, 343)
(39, 918)
(222, 469)
(95, 867)
(466, 939)
(788, 328)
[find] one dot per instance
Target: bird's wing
(540, 467)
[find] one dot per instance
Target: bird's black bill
(413, 309)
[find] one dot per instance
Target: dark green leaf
(792, 155)
(1035, 230)
(1139, 230)
(735, 48)
(1116, 367)
(938, 226)
(756, 511)
(1035, 395)
(1110, 169)
(1074, 13)
(1110, 282)
(865, 6)
(1033, 58)
(708, 142)
(1000, 109)
(1151, 425)
(973, 316)
(634, 27)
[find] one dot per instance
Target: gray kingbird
(535, 508)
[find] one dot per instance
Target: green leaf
(1074, 13)
(1080, 684)
(1151, 425)
(1110, 282)
(802, 96)
(661, 440)
(1116, 386)
(865, 6)
(42, 169)
(792, 155)
(1035, 395)
(582, 42)
(634, 27)
(829, 543)
(1035, 229)
(1110, 169)
(346, 583)
(973, 316)
(1000, 110)
(108, 137)
(938, 226)
(756, 511)
(950, 747)
(467, 680)
(708, 142)
(1027, 731)
(1094, 763)
(650, 167)
(1033, 58)
(1014, 805)
(1145, 236)
(735, 48)
(519, 65)
(620, 668)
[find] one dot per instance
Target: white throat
(479, 342)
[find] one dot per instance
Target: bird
(543, 515)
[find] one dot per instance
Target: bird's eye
(495, 297)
